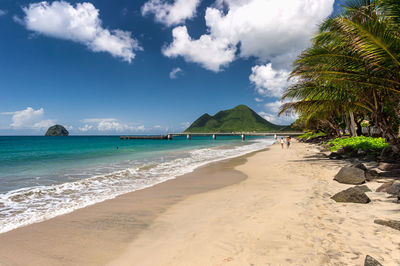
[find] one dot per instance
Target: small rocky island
(57, 130)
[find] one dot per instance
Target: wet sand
(99, 233)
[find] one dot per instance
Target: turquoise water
(42, 177)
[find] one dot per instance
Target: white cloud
(86, 128)
(282, 120)
(174, 72)
(259, 100)
(211, 53)
(271, 114)
(108, 125)
(268, 81)
(79, 23)
(269, 30)
(29, 118)
(171, 13)
(273, 106)
(3, 12)
(44, 124)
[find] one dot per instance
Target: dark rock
(363, 188)
(361, 152)
(340, 151)
(57, 130)
(390, 223)
(392, 173)
(370, 158)
(353, 194)
(394, 189)
(388, 166)
(371, 174)
(350, 175)
(370, 261)
(361, 166)
(335, 155)
(386, 153)
(384, 187)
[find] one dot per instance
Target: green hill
(239, 119)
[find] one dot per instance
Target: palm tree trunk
(352, 124)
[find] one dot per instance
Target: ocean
(42, 177)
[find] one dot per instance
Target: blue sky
(138, 67)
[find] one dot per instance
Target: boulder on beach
(370, 261)
(350, 175)
(390, 223)
(395, 173)
(388, 166)
(57, 130)
(363, 188)
(394, 189)
(384, 187)
(352, 195)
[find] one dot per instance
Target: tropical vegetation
(350, 76)
(358, 143)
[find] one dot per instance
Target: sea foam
(25, 206)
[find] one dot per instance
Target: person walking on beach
(288, 142)
(282, 142)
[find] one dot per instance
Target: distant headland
(238, 119)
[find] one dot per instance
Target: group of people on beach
(283, 142)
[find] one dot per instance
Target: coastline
(270, 207)
(97, 233)
(282, 214)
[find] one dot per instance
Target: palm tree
(353, 65)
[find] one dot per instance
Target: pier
(214, 136)
(144, 137)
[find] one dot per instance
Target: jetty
(214, 136)
(145, 137)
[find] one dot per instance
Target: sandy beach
(268, 208)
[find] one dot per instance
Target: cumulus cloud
(108, 125)
(209, 52)
(85, 128)
(79, 23)
(171, 13)
(29, 118)
(259, 100)
(268, 81)
(271, 114)
(269, 30)
(175, 72)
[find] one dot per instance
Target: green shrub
(356, 143)
(311, 135)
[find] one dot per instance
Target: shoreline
(107, 221)
(41, 202)
(270, 207)
(282, 214)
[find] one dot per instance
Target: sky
(146, 67)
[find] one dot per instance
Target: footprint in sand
(229, 259)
